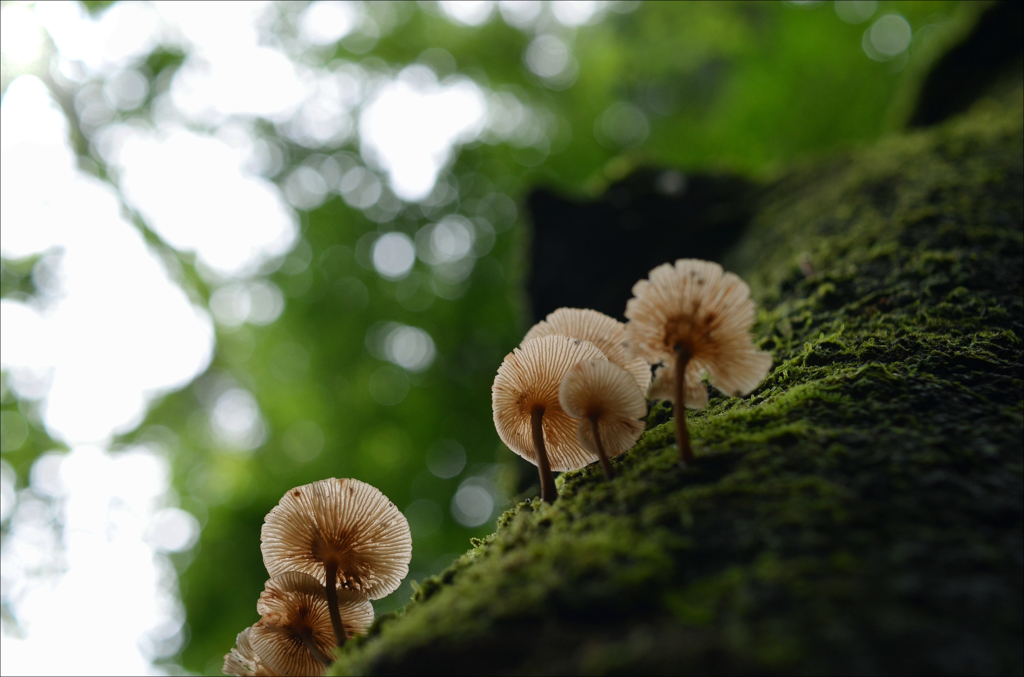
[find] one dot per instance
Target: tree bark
(860, 512)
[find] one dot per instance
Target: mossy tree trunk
(860, 512)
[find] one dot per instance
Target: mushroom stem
(682, 434)
(606, 465)
(548, 490)
(331, 571)
(307, 640)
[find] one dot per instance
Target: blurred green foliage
(742, 87)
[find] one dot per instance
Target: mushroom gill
(344, 533)
(607, 333)
(527, 414)
(608, 404)
(694, 318)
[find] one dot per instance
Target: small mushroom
(296, 635)
(695, 319)
(243, 661)
(604, 397)
(607, 333)
(527, 414)
(663, 387)
(343, 532)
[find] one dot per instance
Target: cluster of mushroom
(330, 547)
(574, 391)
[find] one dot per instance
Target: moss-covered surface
(860, 512)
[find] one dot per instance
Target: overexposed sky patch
(260, 82)
(192, 190)
(520, 13)
(117, 523)
(108, 331)
(468, 12)
(411, 127)
(112, 330)
(324, 22)
(213, 29)
(578, 12)
(104, 43)
(22, 37)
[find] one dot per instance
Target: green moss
(861, 511)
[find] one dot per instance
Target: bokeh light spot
(45, 477)
(547, 56)
(889, 36)
(472, 504)
(855, 11)
(325, 22)
(305, 189)
(468, 12)
(622, 125)
(577, 12)
(173, 530)
(520, 13)
(393, 255)
(410, 347)
(446, 458)
(236, 420)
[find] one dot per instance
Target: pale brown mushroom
(663, 387)
(243, 661)
(608, 403)
(607, 333)
(527, 414)
(343, 532)
(296, 634)
(695, 319)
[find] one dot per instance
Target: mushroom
(341, 531)
(607, 333)
(243, 661)
(604, 397)
(663, 387)
(695, 318)
(527, 414)
(295, 635)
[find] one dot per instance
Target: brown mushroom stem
(307, 640)
(682, 434)
(606, 465)
(548, 490)
(331, 571)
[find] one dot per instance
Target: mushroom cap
(607, 333)
(695, 304)
(608, 392)
(294, 604)
(243, 661)
(529, 376)
(344, 520)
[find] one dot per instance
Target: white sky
(112, 331)
(412, 125)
